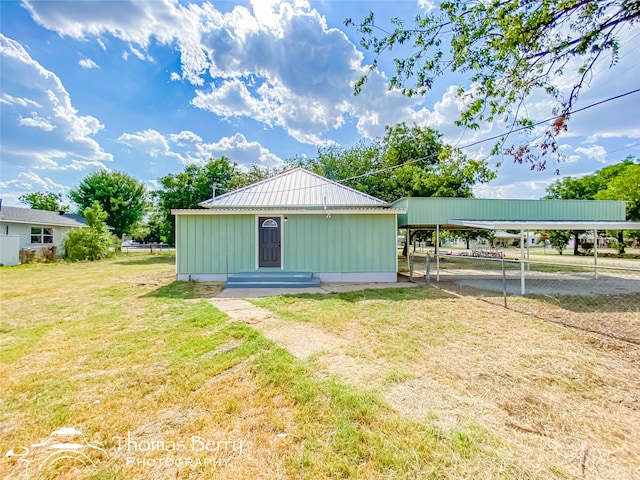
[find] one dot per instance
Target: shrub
(91, 242)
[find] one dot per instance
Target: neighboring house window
(41, 234)
(270, 223)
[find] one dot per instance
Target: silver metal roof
(287, 211)
(294, 188)
(39, 217)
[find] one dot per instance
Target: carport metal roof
(429, 212)
(546, 225)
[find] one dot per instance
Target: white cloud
(188, 147)
(22, 102)
(528, 189)
(185, 137)
(238, 149)
(82, 165)
(596, 152)
(302, 69)
(137, 53)
(277, 62)
(149, 141)
(132, 21)
(88, 63)
(64, 135)
(426, 5)
(231, 99)
(36, 122)
(32, 182)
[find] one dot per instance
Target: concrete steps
(272, 279)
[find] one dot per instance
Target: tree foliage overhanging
(509, 49)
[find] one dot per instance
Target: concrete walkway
(324, 288)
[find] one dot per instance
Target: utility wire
(478, 142)
(495, 137)
(546, 120)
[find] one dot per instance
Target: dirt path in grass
(305, 340)
(557, 400)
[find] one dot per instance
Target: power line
(499, 136)
(555, 117)
(495, 137)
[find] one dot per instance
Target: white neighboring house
(35, 229)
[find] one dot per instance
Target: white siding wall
(23, 230)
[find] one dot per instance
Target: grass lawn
(168, 387)
(528, 398)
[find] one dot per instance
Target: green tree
(559, 239)
(588, 186)
(121, 196)
(91, 242)
(407, 162)
(140, 230)
(157, 227)
(508, 49)
(620, 181)
(44, 201)
(356, 167)
(254, 174)
(625, 186)
(189, 188)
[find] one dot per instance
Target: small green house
(295, 222)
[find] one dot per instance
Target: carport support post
(595, 254)
(522, 286)
(437, 252)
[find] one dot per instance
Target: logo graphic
(63, 450)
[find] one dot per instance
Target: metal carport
(526, 226)
(438, 213)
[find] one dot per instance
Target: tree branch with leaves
(509, 49)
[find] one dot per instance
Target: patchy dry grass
(121, 352)
(557, 403)
(169, 387)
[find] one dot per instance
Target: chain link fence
(602, 299)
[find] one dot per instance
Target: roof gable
(294, 188)
(39, 217)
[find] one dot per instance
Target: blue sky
(147, 87)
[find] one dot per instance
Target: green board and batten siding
(342, 243)
(208, 243)
(221, 244)
(439, 211)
